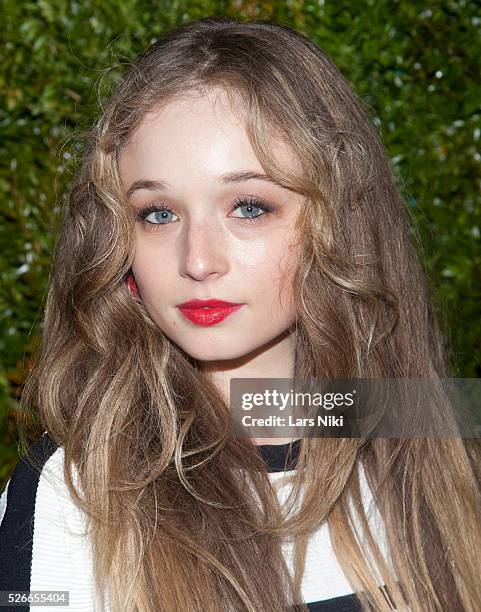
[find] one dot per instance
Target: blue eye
(161, 213)
(253, 202)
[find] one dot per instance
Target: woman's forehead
(200, 134)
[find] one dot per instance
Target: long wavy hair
(182, 515)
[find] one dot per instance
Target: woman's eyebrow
(229, 177)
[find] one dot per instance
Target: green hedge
(417, 67)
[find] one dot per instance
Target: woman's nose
(203, 252)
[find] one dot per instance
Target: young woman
(234, 163)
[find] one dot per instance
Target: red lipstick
(207, 312)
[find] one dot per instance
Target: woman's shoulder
(42, 531)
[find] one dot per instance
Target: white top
(61, 557)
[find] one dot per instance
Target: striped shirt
(43, 546)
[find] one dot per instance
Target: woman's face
(202, 247)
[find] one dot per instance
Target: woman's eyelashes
(160, 215)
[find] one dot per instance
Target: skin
(204, 248)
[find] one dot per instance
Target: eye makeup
(247, 202)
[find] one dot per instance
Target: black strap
(16, 528)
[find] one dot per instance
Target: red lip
(207, 312)
(211, 303)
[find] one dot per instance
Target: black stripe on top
(16, 528)
(277, 456)
(344, 603)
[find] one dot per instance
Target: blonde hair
(174, 522)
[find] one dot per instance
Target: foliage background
(416, 64)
